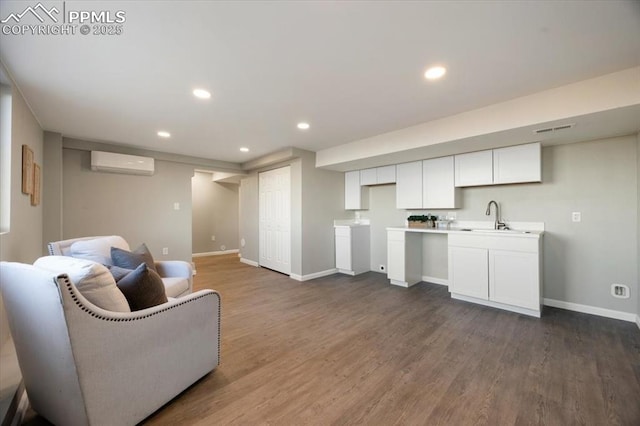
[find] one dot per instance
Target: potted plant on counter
(422, 221)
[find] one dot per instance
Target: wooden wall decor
(35, 194)
(27, 170)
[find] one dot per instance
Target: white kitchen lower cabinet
(514, 278)
(352, 249)
(499, 271)
(469, 272)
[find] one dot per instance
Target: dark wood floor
(344, 350)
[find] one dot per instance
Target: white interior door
(275, 219)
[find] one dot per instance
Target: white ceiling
(351, 69)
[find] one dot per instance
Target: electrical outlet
(576, 217)
(382, 268)
(165, 250)
(223, 247)
(213, 238)
(451, 215)
(620, 291)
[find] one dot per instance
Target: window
(5, 157)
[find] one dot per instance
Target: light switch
(176, 206)
(576, 217)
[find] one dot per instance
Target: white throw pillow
(98, 249)
(92, 279)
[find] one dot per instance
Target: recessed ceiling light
(303, 126)
(164, 134)
(201, 93)
(435, 73)
(244, 149)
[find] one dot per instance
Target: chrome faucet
(497, 224)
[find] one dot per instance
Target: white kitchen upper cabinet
(368, 177)
(474, 168)
(386, 174)
(516, 164)
(356, 197)
(438, 184)
(409, 185)
(378, 175)
(469, 272)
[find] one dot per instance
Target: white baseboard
(249, 262)
(21, 412)
(405, 284)
(214, 253)
(517, 309)
(593, 310)
(434, 280)
(638, 320)
(314, 275)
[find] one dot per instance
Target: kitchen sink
(496, 231)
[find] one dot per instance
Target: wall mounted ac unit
(121, 163)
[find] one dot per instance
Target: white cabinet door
(474, 168)
(409, 185)
(378, 175)
(395, 255)
(343, 248)
(368, 177)
(438, 184)
(469, 272)
(386, 174)
(354, 197)
(514, 278)
(517, 164)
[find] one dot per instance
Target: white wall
(23, 242)
(139, 208)
(322, 203)
(317, 198)
(248, 219)
(52, 188)
(215, 213)
(581, 260)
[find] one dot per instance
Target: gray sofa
(177, 275)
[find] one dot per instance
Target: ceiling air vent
(554, 129)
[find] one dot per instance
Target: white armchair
(177, 275)
(83, 365)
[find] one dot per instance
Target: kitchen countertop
(484, 232)
(351, 223)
